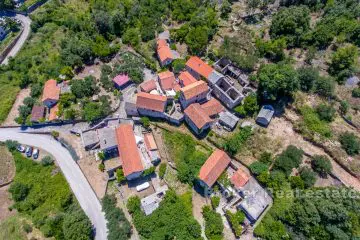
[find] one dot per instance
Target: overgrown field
(12, 228)
(7, 166)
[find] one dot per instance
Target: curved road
(25, 22)
(77, 181)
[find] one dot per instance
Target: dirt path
(282, 129)
(10, 120)
(198, 202)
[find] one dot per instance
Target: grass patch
(45, 197)
(311, 124)
(6, 165)
(8, 94)
(8, 39)
(187, 155)
(12, 228)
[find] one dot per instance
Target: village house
(51, 93)
(213, 108)
(185, 78)
(128, 152)
(193, 93)
(197, 118)
(224, 90)
(164, 53)
(152, 148)
(37, 114)
(90, 139)
(212, 169)
(121, 81)
(151, 105)
(198, 68)
(148, 86)
(228, 120)
(53, 114)
(107, 140)
(168, 83)
(265, 115)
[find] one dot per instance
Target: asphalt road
(77, 181)
(25, 22)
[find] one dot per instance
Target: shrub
(325, 86)
(120, 175)
(101, 156)
(326, 112)
(234, 143)
(213, 223)
(313, 124)
(101, 167)
(356, 92)
(149, 171)
(344, 107)
(308, 176)
(18, 191)
(266, 157)
(215, 201)
(47, 160)
(297, 182)
(27, 228)
(236, 219)
(133, 204)
(162, 170)
(36, 90)
(321, 165)
(249, 107)
(145, 121)
(55, 134)
(11, 145)
(290, 158)
(257, 168)
(350, 143)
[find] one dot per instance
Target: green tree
(213, 223)
(36, 90)
(11, 145)
(297, 182)
(257, 168)
(145, 121)
(290, 158)
(325, 87)
(344, 107)
(178, 65)
(343, 62)
(215, 201)
(162, 170)
(133, 204)
(308, 77)
(326, 112)
(249, 106)
(350, 143)
(76, 226)
(93, 111)
(132, 37)
(18, 191)
(321, 164)
(47, 160)
(308, 176)
(266, 157)
(225, 9)
(120, 175)
(356, 92)
(84, 88)
(197, 39)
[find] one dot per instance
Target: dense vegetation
(186, 154)
(44, 196)
(173, 219)
(118, 226)
(213, 223)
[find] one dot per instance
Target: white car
(36, 153)
(142, 187)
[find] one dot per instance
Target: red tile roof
(128, 151)
(150, 141)
(197, 115)
(240, 178)
(212, 107)
(51, 91)
(151, 102)
(167, 80)
(121, 79)
(194, 89)
(163, 50)
(214, 167)
(186, 78)
(37, 113)
(199, 66)
(148, 86)
(53, 112)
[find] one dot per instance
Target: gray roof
(228, 119)
(164, 35)
(107, 137)
(89, 138)
(267, 112)
(352, 81)
(256, 199)
(214, 77)
(154, 155)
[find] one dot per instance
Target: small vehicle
(142, 187)
(29, 151)
(20, 148)
(36, 153)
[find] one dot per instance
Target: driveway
(25, 22)
(77, 181)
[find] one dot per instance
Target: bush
(133, 204)
(47, 160)
(321, 165)
(350, 143)
(290, 158)
(178, 65)
(257, 168)
(297, 182)
(55, 134)
(19, 191)
(308, 176)
(234, 143)
(356, 92)
(308, 77)
(27, 228)
(344, 107)
(266, 157)
(36, 90)
(213, 223)
(326, 112)
(325, 87)
(11, 145)
(343, 61)
(101, 167)
(162, 170)
(249, 107)
(120, 175)
(149, 171)
(236, 219)
(145, 121)
(215, 201)
(313, 124)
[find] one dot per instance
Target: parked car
(36, 153)
(21, 148)
(142, 187)
(29, 151)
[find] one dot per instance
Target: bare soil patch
(10, 120)
(7, 166)
(5, 203)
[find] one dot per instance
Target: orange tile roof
(214, 167)
(197, 115)
(167, 80)
(150, 141)
(148, 86)
(212, 107)
(199, 66)
(53, 112)
(239, 178)
(151, 102)
(128, 151)
(51, 90)
(186, 78)
(163, 50)
(194, 89)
